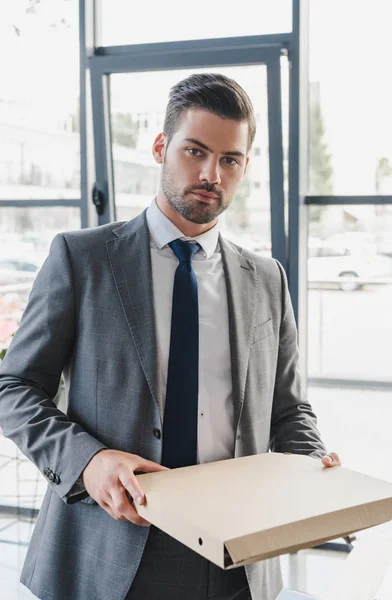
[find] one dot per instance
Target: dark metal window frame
(342, 200)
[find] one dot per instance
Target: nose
(211, 171)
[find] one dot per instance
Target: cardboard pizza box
(239, 511)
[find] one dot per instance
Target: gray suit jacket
(90, 315)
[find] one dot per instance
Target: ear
(158, 147)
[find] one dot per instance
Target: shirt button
(157, 433)
(51, 476)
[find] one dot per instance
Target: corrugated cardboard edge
(246, 549)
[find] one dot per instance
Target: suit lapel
(241, 282)
(130, 260)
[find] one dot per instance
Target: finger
(106, 507)
(130, 483)
(135, 518)
(335, 457)
(119, 503)
(331, 460)
(121, 506)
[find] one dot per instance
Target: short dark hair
(213, 92)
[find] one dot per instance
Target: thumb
(148, 466)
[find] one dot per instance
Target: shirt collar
(164, 231)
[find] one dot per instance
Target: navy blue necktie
(182, 390)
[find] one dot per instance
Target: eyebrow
(198, 143)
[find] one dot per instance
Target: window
(350, 292)
(25, 237)
(39, 113)
(350, 95)
(125, 22)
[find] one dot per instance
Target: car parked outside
(350, 268)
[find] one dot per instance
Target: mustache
(206, 187)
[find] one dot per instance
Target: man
(177, 347)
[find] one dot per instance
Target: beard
(193, 210)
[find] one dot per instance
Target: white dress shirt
(216, 414)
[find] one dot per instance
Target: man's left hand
(331, 460)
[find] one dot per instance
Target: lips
(205, 196)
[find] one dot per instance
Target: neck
(186, 227)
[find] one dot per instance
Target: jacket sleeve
(30, 375)
(293, 423)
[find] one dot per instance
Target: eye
(194, 152)
(230, 160)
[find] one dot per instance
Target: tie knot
(184, 251)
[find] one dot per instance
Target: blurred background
(84, 85)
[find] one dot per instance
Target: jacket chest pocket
(262, 331)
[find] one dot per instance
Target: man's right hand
(108, 477)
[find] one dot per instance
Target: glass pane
(350, 292)
(138, 102)
(22, 484)
(125, 22)
(355, 423)
(25, 237)
(39, 112)
(350, 97)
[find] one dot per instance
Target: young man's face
(203, 164)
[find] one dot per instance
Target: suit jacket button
(46, 471)
(56, 479)
(51, 476)
(157, 433)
